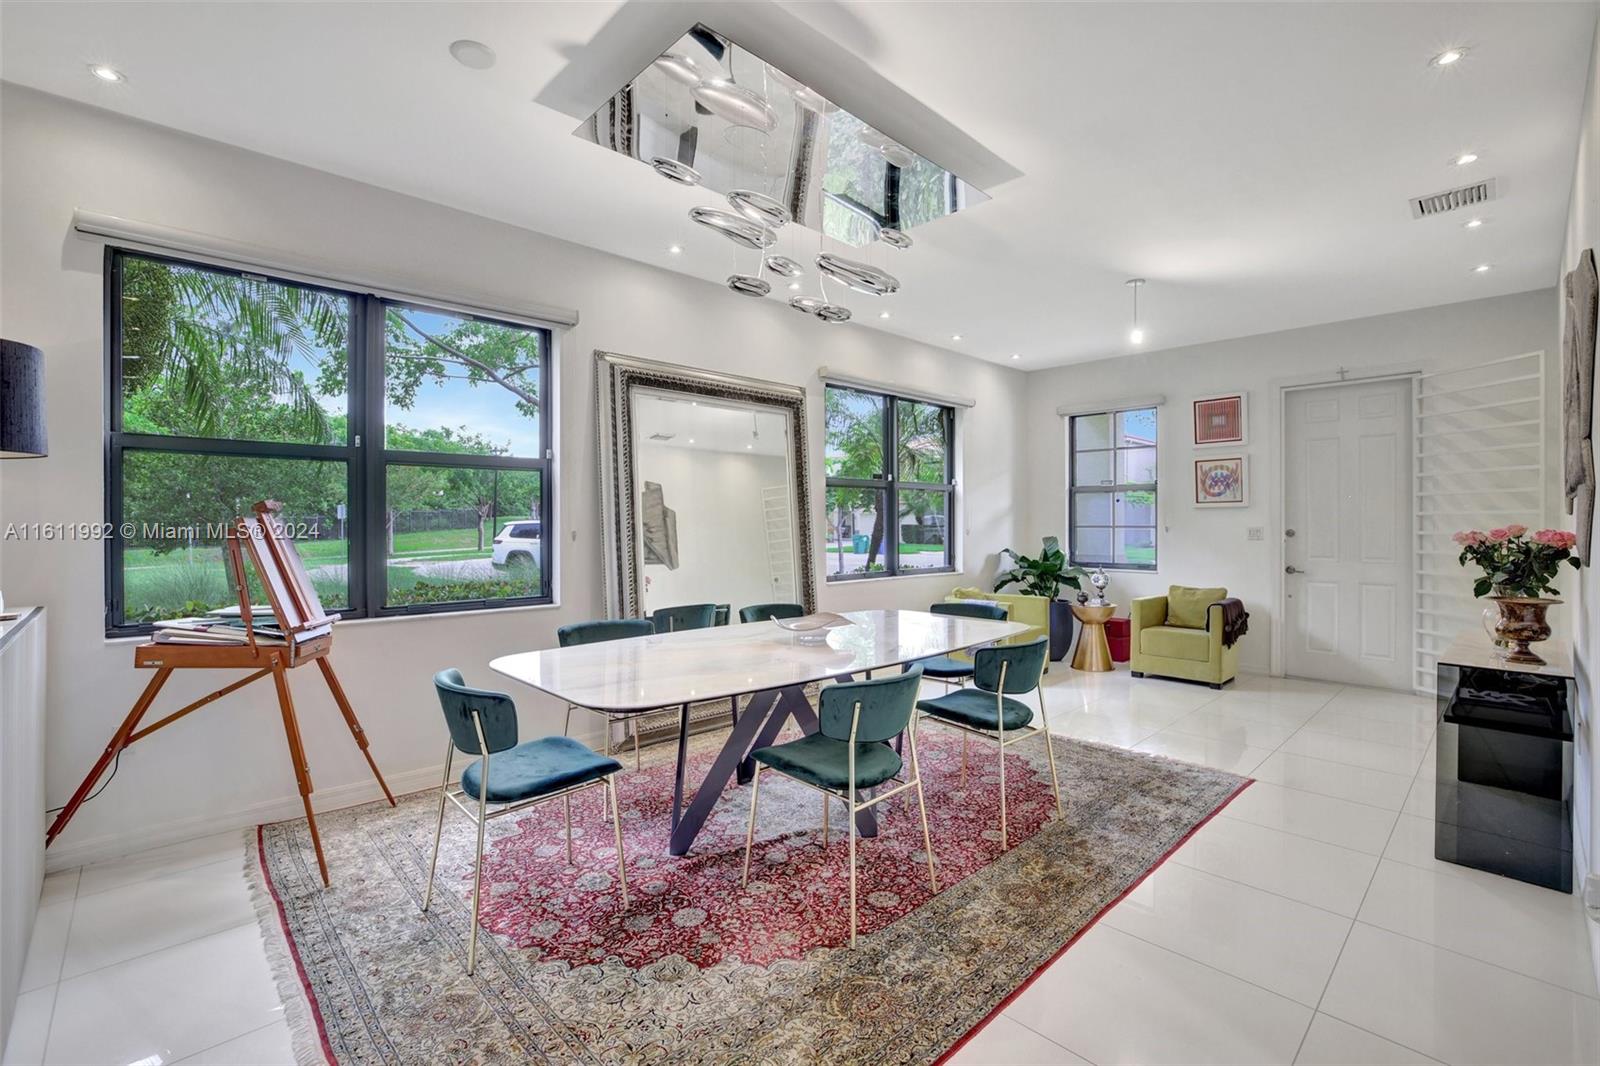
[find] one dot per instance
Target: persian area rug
(696, 969)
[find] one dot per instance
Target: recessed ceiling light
(1448, 57)
(675, 250)
(794, 286)
(747, 447)
(691, 440)
(1016, 355)
(1136, 335)
(883, 314)
(106, 72)
(1473, 223)
(1481, 268)
(1464, 158)
(474, 55)
(955, 336)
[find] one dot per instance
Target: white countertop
(1474, 648)
(642, 673)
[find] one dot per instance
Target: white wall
(722, 529)
(224, 766)
(1210, 547)
(1583, 231)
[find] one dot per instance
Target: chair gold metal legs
(438, 830)
(481, 816)
(750, 831)
(853, 807)
(999, 734)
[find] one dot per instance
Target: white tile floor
(1308, 923)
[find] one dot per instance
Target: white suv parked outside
(517, 544)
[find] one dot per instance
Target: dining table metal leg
(683, 763)
(761, 719)
(764, 739)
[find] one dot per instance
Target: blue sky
(487, 409)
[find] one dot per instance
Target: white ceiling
(1253, 161)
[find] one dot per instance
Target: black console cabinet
(1504, 775)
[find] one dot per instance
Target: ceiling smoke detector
(1438, 203)
(474, 55)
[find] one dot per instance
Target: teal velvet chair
(766, 612)
(989, 708)
(606, 629)
(689, 616)
(484, 724)
(953, 669)
(848, 754)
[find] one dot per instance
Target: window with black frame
(409, 446)
(888, 456)
(1112, 469)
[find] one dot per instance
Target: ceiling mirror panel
(704, 489)
(710, 112)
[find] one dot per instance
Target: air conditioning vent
(1451, 199)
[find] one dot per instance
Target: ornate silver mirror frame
(616, 378)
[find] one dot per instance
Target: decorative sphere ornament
(1098, 581)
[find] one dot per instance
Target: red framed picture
(1219, 420)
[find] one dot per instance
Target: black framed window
(890, 464)
(1112, 477)
(409, 445)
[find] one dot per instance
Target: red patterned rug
(696, 968)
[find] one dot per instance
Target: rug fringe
(304, 1033)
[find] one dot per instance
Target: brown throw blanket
(1235, 620)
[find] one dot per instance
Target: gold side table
(1094, 653)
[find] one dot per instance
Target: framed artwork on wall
(1219, 420)
(1220, 482)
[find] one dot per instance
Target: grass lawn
(905, 549)
(438, 545)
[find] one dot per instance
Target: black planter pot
(1062, 622)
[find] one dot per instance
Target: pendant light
(1136, 334)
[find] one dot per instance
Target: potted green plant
(1518, 571)
(1044, 575)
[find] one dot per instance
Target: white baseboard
(67, 854)
(64, 854)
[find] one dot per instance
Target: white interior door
(1347, 530)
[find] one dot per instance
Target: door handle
(1292, 570)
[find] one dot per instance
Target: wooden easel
(309, 632)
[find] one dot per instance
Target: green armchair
(1180, 635)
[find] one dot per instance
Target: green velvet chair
(956, 668)
(1180, 635)
(689, 616)
(989, 710)
(765, 612)
(600, 632)
(848, 754)
(484, 724)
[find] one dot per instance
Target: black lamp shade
(21, 401)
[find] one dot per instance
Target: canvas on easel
(307, 631)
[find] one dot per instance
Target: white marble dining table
(761, 660)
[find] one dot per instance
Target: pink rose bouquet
(1515, 563)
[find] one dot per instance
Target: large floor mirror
(704, 491)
